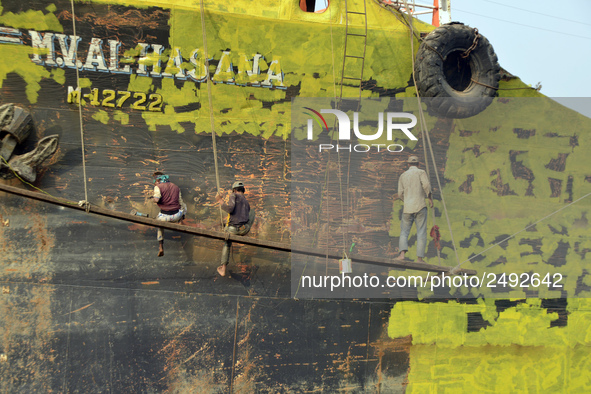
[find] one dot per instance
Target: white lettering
(149, 61)
(364, 137)
(175, 63)
(344, 122)
(114, 46)
(402, 126)
(154, 59)
(371, 281)
(95, 58)
(356, 148)
(45, 42)
(197, 75)
(255, 65)
(9, 31)
(68, 50)
(274, 74)
(400, 150)
(224, 72)
(355, 281)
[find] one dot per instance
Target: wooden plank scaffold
(273, 245)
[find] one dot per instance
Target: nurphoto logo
(344, 130)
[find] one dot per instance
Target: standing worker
(413, 188)
(172, 208)
(239, 220)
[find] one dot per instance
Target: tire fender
(458, 87)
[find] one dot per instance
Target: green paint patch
(121, 117)
(101, 116)
(518, 352)
(30, 19)
(85, 82)
(512, 369)
(15, 59)
(299, 52)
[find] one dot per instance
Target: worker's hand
(430, 203)
(219, 197)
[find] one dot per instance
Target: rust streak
(78, 310)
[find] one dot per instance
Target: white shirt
(413, 188)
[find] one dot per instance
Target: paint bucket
(345, 266)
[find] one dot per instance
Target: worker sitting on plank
(239, 220)
(172, 208)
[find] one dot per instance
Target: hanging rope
(85, 201)
(215, 151)
(423, 136)
(326, 172)
(425, 133)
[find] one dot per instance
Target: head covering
(413, 160)
(237, 184)
(160, 176)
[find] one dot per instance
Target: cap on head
(413, 160)
(237, 184)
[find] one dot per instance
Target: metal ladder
(347, 56)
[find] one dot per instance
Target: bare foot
(161, 253)
(420, 260)
(400, 256)
(222, 270)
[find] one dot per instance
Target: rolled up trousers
(168, 218)
(237, 230)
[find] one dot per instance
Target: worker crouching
(172, 208)
(240, 219)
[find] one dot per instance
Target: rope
(85, 205)
(33, 186)
(426, 133)
(338, 101)
(326, 177)
(215, 151)
(423, 127)
(492, 87)
(453, 270)
(80, 112)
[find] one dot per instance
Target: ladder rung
(356, 57)
(356, 79)
(358, 35)
(354, 12)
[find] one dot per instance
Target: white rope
(426, 133)
(80, 112)
(215, 151)
(326, 175)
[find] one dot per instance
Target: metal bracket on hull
(16, 124)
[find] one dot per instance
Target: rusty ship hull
(86, 304)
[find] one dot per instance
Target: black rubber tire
(455, 95)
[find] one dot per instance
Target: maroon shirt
(169, 200)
